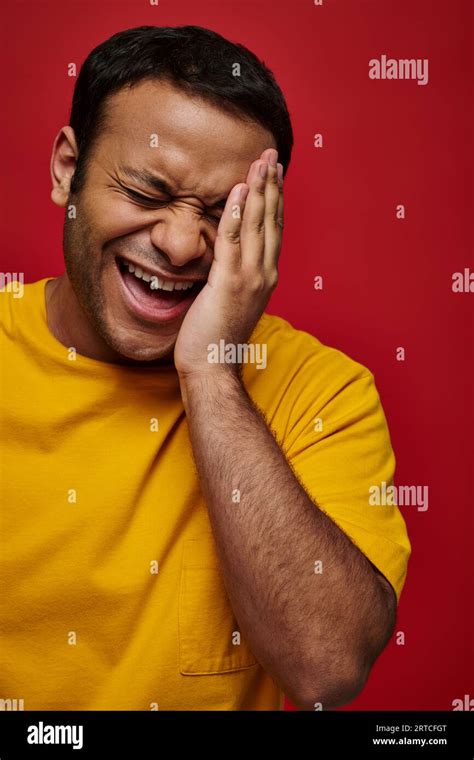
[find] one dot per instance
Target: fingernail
(263, 169)
(272, 158)
(280, 173)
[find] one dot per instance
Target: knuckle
(258, 226)
(273, 280)
(233, 283)
(273, 218)
(230, 236)
(257, 283)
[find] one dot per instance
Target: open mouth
(153, 297)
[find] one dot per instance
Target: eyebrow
(144, 177)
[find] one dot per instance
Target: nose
(180, 236)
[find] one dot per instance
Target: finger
(253, 221)
(272, 227)
(228, 237)
(273, 238)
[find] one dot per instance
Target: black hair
(194, 59)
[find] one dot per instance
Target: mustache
(156, 260)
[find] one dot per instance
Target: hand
(243, 273)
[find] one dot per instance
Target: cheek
(111, 216)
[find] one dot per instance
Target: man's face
(164, 233)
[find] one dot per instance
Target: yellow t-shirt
(111, 596)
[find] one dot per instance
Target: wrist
(216, 381)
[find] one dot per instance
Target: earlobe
(63, 165)
(59, 196)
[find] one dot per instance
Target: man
(186, 520)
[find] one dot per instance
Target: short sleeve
(338, 444)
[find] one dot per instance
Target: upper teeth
(155, 282)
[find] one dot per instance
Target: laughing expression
(139, 234)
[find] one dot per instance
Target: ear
(63, 165)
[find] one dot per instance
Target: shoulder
(19, 302)
(301, 358)
(305, 380)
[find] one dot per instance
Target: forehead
(197, 147)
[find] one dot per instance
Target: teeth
(155, 282)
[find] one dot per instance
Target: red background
(387, 282)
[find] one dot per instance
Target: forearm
(317, 633)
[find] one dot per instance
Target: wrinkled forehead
(201, 149)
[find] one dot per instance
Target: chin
(141, 347)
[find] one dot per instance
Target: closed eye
(214, 219)
(146, 200)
